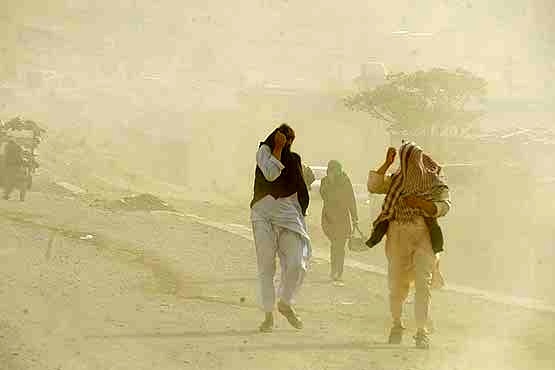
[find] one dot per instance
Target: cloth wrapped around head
(334, 168)
(418, 175)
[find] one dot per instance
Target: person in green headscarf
(339, 215)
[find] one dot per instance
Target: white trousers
(271, 240)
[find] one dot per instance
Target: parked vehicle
(319, 173)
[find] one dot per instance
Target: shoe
(338, 282)
(267, 326)
(422, 340)
(396, 334)
(290, 315)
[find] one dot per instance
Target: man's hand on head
(280, 140)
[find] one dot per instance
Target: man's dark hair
(284, 128)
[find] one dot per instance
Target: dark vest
(289, 182)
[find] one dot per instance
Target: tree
(423, 99)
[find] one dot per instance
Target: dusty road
(159, 291)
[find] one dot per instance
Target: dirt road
(83, 288)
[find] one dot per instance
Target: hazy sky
(181, 51)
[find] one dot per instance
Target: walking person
(339, 215)
(14, 171)
(416, 195)
(278, 211)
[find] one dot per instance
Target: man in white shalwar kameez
(278, 209)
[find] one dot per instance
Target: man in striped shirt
(416, 194)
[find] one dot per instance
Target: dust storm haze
(172, 98)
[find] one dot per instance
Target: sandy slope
(155, 291)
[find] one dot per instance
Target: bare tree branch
(381, 116)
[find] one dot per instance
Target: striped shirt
(379, 184)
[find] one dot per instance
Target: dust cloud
(172, 97)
